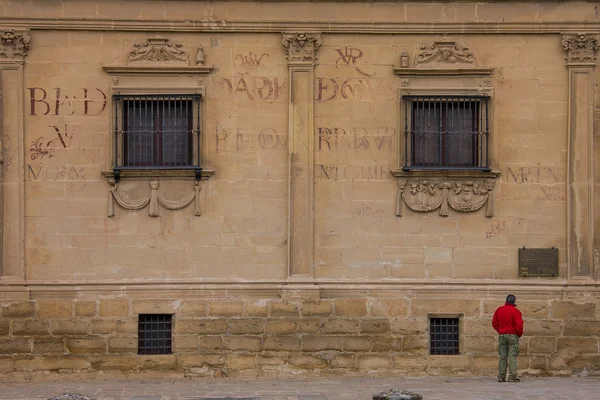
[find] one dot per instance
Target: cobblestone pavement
(306, 388)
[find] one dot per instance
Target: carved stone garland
(444, 52)
(580, 48)
(14, 46)
(301, 47)
(463, 196)
(153, 199)
(159, 50)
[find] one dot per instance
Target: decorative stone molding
(14, 45)
(153, 199)
(580, 48)
(301, 48)
(424, 195)
(161, 50)
(444, 52)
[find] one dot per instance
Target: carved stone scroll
(154, 199)
(158, 50)
(580, 48)
(460, 195)
(14, 45)
(301, 48)
(444, 53)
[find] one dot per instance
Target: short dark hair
(511, 299)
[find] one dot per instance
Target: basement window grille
(154, 333)
(446, 132)
(443, 336)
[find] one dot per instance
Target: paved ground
(305, 388)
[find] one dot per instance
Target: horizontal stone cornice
(167, 25)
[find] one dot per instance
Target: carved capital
(301, 48)
(444, 52)
(580, 48)
(158, 50)
(14, 45)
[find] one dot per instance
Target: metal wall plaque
(538, 262)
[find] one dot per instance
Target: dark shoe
(501, 380)
(514, 380)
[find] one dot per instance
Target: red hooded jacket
(508, 320)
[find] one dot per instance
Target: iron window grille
(155, 333)
(446, 132)
(157, 132)
(443, 336)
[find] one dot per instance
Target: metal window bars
(157, 132)
(154, 333)
(446, 132)
(443, 336)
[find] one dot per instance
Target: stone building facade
(328, 188)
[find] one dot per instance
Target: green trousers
(508, 348)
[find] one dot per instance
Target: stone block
(386, 343)
(423, 307)
(210, 343)
(282, 343)
(346, 361)
(448, 364)
(121, 362)
(54, 309)
(191, 360)
(350, 307)
(25, 309)
(479, 344)
(241, 362)
(248, 343)
(200, 326)
(580, 328)
(69, 327)
(307, 362)
(225, 308)
(542, 328)
(284, 309)
(7, 364)
(118, 344)
(99, 326)
(375, 361)
(485, 364)
(29, 327)
(279, 327)
(571, 310)
(388, 308)
(532, 309)
(185, 343)
(155, 307)
(193, 308)
(309, 325)
(114, 308)
(321, 342)
(479, 327)
(410, 363)
(166, 362)
(357, 343)
(245, 325)
(48, 346)
(542, 344)
(318, 308)
(577, 345)
(409, 326)
(415, 344)
(15, 346)
(340, 326)
(85, 309)
(4, 326)
(257, 308)
(87, 345)
(375, 326)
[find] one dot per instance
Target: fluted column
(301, 50)
(14, 45)
(581, 50)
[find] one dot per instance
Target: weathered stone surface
(572, 310)
(30, 327)
(308, 362)
(87, 345)
(351, 307)
(245, 325)
(19, 310)
(114, 308)
(320, 308)
(397, 394)
(71, 396)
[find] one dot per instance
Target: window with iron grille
(154, 333)
(156, 132)
(446, 132)
(443, 336)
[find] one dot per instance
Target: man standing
(508, 322)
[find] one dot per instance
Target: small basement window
(155, 333)
(443, 336)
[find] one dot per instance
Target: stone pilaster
(14, 45)
(581, 50)
(301, 49)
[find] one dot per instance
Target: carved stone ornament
(158, 50)
(580, 48)
(301, 48)
(153, 199)
(444, 52)
(14, 45)
(461, 195)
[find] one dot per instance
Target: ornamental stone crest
(444, 52)
(301, 48)
(14, 45)
(429, 195)
(580, 48)
(158, 50)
